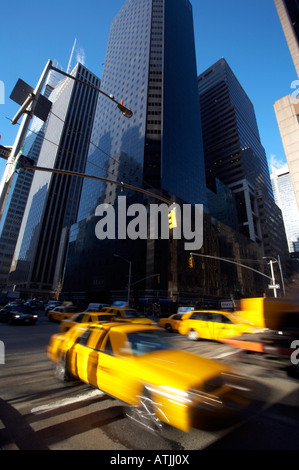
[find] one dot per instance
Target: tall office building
(288, 12)
(151, 64)
(161, 144)
(287, 108)
(16, 202)
(235, 156)
(285, 199)
(53, 199)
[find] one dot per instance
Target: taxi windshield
(143, 342)
(132, 314)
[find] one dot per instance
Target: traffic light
(172, 219)
(191, 262)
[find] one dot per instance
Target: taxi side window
(216, 318)
(108, 347)
(80, 318)
(84, 337)
(224, 319)
(99, 339)
(177, 317)
(197, 316)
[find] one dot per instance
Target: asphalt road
(37, 412)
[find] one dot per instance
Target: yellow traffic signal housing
(191, 262)
(172, 219)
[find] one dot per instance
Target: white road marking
(66, 401)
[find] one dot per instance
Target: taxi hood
(180, 369)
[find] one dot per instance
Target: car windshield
(132, 314)
(143, 342)
(21, 308)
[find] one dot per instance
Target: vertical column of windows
(152, 154)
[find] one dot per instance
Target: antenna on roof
(71, 58)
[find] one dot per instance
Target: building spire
(71, 58)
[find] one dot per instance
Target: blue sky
(246, 32)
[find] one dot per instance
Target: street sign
(275, 286)
(21, 92)
(5, 152)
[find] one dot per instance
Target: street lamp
(27, 110)
(130, 268)
(125, 111)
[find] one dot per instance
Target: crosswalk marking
(66, 401)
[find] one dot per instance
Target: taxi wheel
(61, 370)
(192, 335)
(144, 414)
(168, 328)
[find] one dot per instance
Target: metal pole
(273, 278)
(20, 139)
(130, 269)
(125, 111)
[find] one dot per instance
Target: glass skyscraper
(53, 199)
(160, 144)
(235, 156)
(150, 63)
(16, 202)
(285, 199)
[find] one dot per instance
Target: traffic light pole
(20, 139)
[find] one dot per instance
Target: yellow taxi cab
(159, 384)
(130, 314)
(62, 312)
(214, 325)
(173, 322)
(85, 317)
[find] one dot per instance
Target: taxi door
(199, 322)
(176, 321)
(223, 327)
(115, 375)
(87, 356)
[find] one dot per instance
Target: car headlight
(171, 393)
(214, 391)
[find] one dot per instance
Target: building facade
(287, 108)
(16, 202)
(235, 156)
(285, 199)
(288, 12)
(158, 149)
(287, 115)
(53, 199)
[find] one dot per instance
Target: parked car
(129, 314)
(18, 313)
(85, 317)
(62, 312)
(137, 364)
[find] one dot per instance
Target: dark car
(17, 313)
